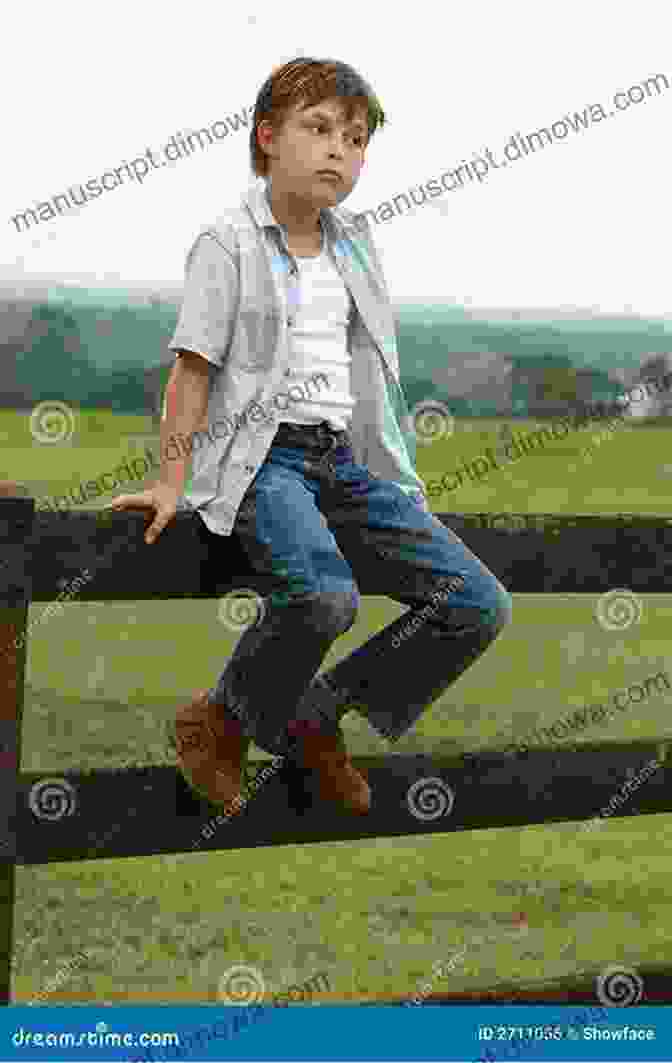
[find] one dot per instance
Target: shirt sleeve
(206, 319)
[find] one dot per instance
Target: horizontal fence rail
(529, 553)
(149, 810)
(581, 987)
(78, 816)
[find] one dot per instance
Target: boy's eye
(358, 137)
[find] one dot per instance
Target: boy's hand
(161, 498)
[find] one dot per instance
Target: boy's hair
(309, 82)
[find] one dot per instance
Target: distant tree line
(50, 360)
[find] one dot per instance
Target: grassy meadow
(103, 680)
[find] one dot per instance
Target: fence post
(16, 520)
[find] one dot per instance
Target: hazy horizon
(40, 285)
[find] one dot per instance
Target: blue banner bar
(465, 1033)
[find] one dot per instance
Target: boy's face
(314, 139)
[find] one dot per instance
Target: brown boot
(326, 754)
(211, 748)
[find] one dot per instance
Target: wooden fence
(149, 810)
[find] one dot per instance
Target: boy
(289, 288)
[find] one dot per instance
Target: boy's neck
(300, 220)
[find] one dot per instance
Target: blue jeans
(328, 530)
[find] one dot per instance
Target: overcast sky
(583, 223)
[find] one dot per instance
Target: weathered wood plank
(529, 553)
(151, 811)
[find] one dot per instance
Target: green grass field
(375, 915)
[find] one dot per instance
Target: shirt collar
(257, 202)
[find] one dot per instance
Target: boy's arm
(185, 409)
(201, 340)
